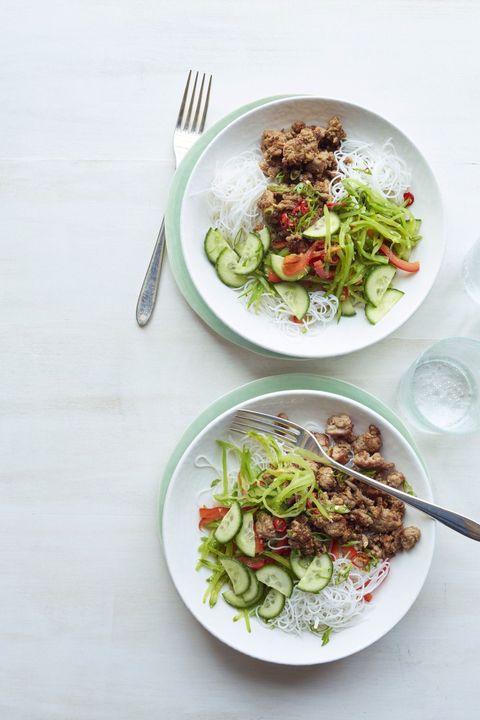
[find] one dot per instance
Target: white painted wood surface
(91, 406)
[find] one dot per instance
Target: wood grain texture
(90, 625)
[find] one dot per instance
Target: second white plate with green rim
(180, 517)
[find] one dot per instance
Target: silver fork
(294, 435)
(190, 125)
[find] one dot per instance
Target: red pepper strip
(273, 277)
(208, 515)
(398, 262)
(351, 553)
(279, 524)
(335, 549)
(317, 255)
(361, 561)
(285, 221)
(293, 264)
(316, 246)
(408, 198)
(259, 546)
(253, 563)
(294, 319)
(301, 208)
(368, 597)
(321, 272)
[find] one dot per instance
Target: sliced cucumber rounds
(390, 298)
(230, 525)
(237, 574)
(299, 563)
(214, 244)
(295, 296)
(377, 283)
(318, 574)
(226, 266)
(250, 597)
(272, 605)
(319, 228)
(265, 237)
(238, 601)
(253, 589)
(277, 267)
(347, 309)
(250, 250)
(276, 577)
(245, 537)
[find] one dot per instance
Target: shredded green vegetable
(326, 635)
(367, 221)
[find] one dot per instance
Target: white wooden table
(90, 625)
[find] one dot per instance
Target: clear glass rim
(410, 409)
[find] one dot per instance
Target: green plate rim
(172, 230)
(270, 384)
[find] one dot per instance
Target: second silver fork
(294, 435)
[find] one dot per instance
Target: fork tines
(248, 420)
(201, 107)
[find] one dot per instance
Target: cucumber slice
(347, 309)
(277, 267)
(272, 605)
(251, 254)
(265, 237)
(254, 588)
(390, 298)
(245, 537)
(237, 574)
(239, 240)
(229, 525)
(299, 563)
(319, 228)
(377, 283)
(214, 244)
(318, 574)
(276, 577)
(295, 296)
(238, 601)
(226, 269)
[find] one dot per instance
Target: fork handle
(451, 519)
(148, 293)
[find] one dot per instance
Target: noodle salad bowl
(327, 309)
(393, 585)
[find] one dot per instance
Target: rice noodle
(236, 188)
(323, 309)
(377, 166)
(336, 606)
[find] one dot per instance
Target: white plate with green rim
(294, 395)
(350, 334)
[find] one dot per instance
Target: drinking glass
(440, 393)
(471, 271)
